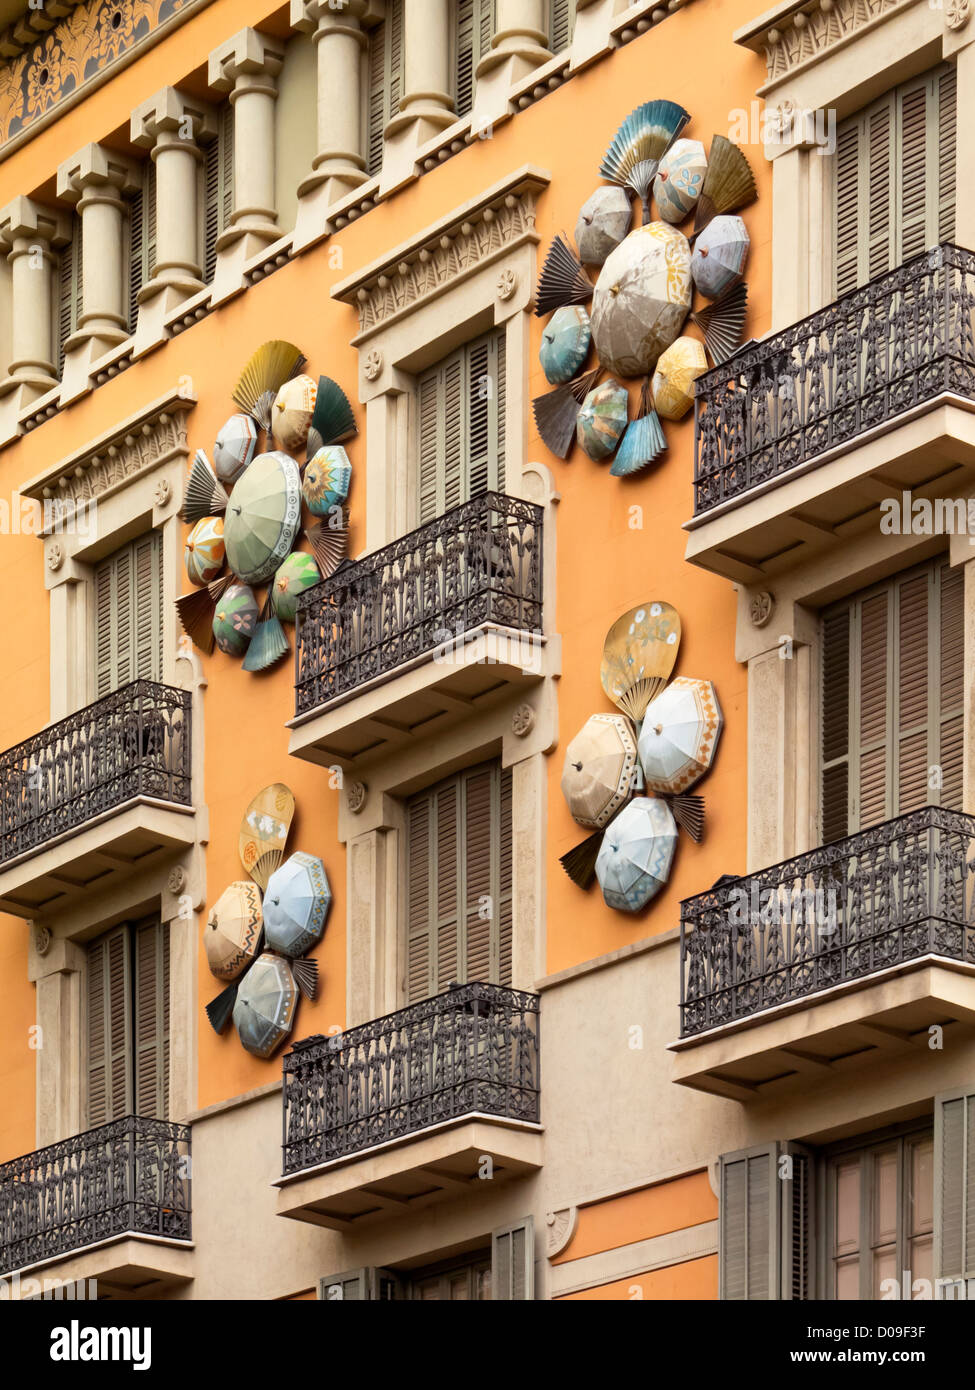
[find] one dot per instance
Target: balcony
(95, 797)
(831, 960)
(112, 1204)
(400, 1112)
(798, 437)
(397, 645)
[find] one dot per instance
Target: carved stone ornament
(176, 881)
(523, 721)
(55, 557)
(561, 1228)
(355, 796)
(507, 283)
(761, 607)
(163, 492)
(957, 13)
(814, 32)
(42, 940)
(374, 364)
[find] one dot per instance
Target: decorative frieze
(458, 245)
(796, 36)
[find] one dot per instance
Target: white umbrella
(679, 735)
(634, 859)
(599, 766)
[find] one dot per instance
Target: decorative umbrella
(638, 656)
(204, 553)
(602, 419)
(565, 343)
(641, 299)
(235, 619)
(679, 180)
(265, 1009)
(604, 220)
(639, 145)
(292, 412)
(233, 930)
(637, 852)
(678, 367)
(264, 831)
(679, 735)
(266, 372)
(299, 572)
(296, 905)
(720, 253)
(326, 480)
(597, 777)
(234, 448)
(263, 517)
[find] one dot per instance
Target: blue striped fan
(639, 145)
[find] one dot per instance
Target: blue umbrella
(296, 905)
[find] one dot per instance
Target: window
(385, 56)
(460, 423)
(459, 924)
(218, 188)
(463, 1281)
(474, 26)
(561, 24)
(895, 179)
(127, 1023)
(128, 615)
(69, 305)
(892, 700)
(141, 241)
(880, 1216)
(503, 1270)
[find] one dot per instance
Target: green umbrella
(235, 619)
(263, 516)
(299, 572)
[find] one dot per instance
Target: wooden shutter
(474, 26)
(386, 57)
(70, 288)
(151, 1019)
(459, 872)
(561, 23)
(954, 1187)
(460, 412)
(360, 1284)
(765, 1223)
(894, 188)
(128, 615)
(142, 240)
(109, 1027)
(218, 188)
(513, 1261)
(892, 700)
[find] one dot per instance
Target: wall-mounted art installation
(252, 510)
(642, 298)
(675, 725)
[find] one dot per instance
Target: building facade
(762, 1085)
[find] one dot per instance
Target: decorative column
(339, 166)
(520, 45)
(427, 106)
(55, 966)
(170, 125)
(246, 66)
(95, 180)
(31, 235)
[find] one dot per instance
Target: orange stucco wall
(693, 1280)
(651, 1211)
(605, 565)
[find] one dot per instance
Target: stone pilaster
(427, 106)
(31, 234)
(55, 966)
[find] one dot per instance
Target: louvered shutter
(954, 1188)
(386, 77)
(142, 240)
(460, 409)
(765, 1223)
(70, 289)
(513, 1261)
(218, 188)
(459, 890)
(474, 26)
(892, 700)
(561, 23)
(894, 189)
(128, 615)
(109, 1027)
(360, 1284)
(151, 1019)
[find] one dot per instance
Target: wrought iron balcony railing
(131, 1175)
(892, 894)
(134, 742)
(900, 340)
(479, 563)
(470, 1050)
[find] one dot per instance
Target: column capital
(309, 15)
(248, 54)
(96, 168)
(173, 113)
(26, 219)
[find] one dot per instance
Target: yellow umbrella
(673, 382)
(291, 413)
(599, 764)
(233, 930)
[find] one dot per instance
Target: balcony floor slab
(128, 1266)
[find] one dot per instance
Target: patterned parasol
(263, 516)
